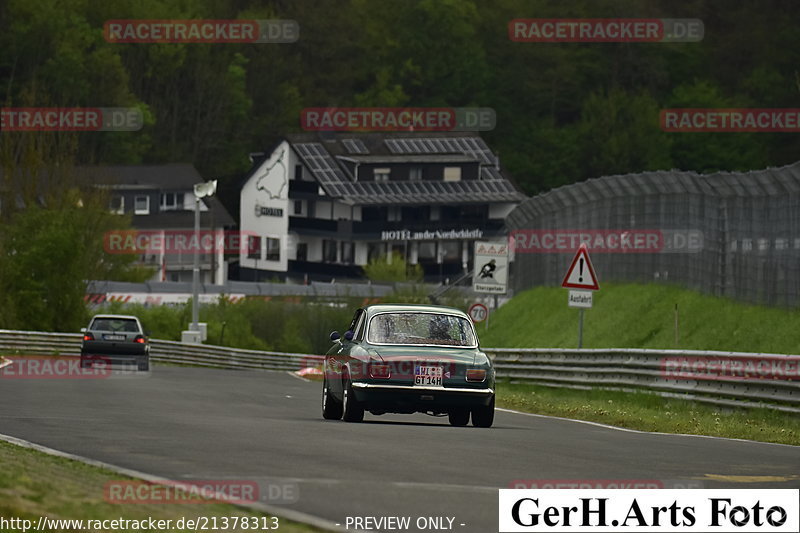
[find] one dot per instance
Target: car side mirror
(348, 335)
(335, 336)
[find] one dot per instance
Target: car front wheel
(331, 408)
(483, 417)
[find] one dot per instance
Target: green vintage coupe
(408, 359)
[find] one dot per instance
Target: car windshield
(421, 328)
(115, 324)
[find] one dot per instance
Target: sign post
(490, 274)
(581, 276)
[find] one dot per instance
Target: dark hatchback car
(409, 359)
(115, 338)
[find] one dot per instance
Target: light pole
(201, 190)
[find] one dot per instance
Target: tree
(620, 133)
(50, 249)
(392, 268)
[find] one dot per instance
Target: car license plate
(430, 376)
(114, 337)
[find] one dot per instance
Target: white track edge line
(606, 426)
(289, 514)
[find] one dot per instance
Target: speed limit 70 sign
(478, 312)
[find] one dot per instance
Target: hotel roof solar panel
(323, 160)
(355, 146)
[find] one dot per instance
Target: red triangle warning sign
(581, 273)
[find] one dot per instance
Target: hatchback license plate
(430, 376)
(114, 337)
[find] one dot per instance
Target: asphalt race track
(191, 423)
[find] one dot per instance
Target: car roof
(117, 317)
(419, 308)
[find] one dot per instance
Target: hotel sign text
(408, 235)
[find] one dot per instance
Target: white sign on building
(491, 267)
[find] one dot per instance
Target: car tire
(483, 417)
(331, 407)
(458, 417)
(352, 410)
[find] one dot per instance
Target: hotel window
(273, 249)
(328, 251)
(302, 251)
(117, 204)
(449, 251)
(298, 172)
(427, 250)
(298, 207)
(171, 201)
(452, 173)
(347, 252)
(141, 205)
(381, 174)
(415, 173)
(376, 250)
(253, 247)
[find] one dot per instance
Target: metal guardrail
(615, 369)
(41, 343)
(222, 357)
(742, 379)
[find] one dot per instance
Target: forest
(565, 112)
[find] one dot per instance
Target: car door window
(359, 331)
(354, 322)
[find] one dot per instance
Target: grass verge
(642, 316)
(649, 412)
(34, 484)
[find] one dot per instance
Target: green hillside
(642, 316)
